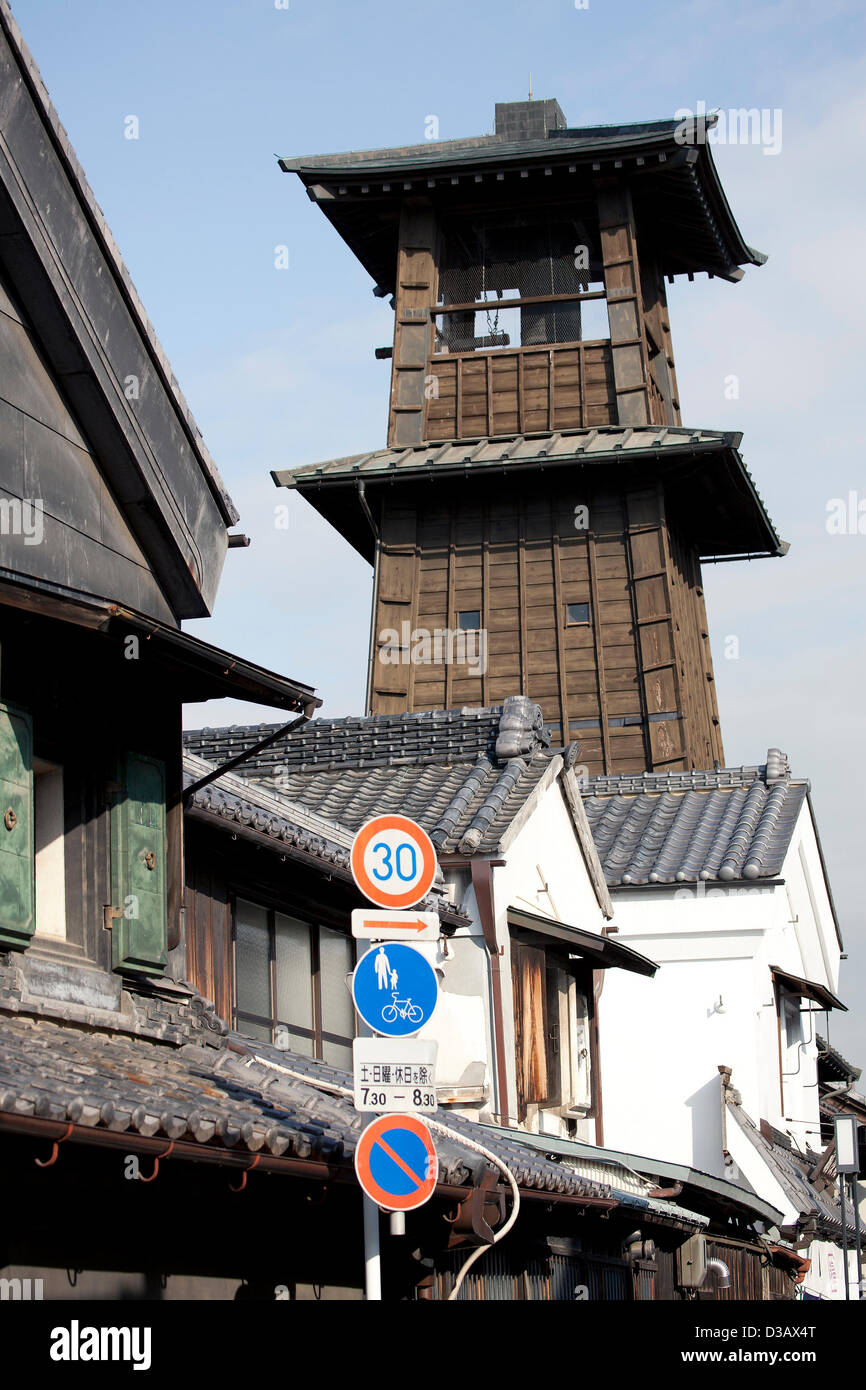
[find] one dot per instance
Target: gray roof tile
(791, 1170)
(681, 827)
(226, 1097)
(453, 771)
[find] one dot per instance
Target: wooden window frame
(579, 622)
(461, 611)
(317, 1034)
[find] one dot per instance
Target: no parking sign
(396, 1162)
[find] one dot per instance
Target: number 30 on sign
(393, 861)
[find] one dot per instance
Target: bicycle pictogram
(402, 1008)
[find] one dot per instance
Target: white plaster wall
(660, 1057)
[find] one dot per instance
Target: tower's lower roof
(705, 477)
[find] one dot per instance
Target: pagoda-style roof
(680, 206)
(705, 477)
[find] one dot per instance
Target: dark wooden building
(539, 517)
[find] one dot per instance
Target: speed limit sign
(393, 861)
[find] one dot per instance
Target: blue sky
(278, 365)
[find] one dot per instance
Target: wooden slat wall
(662, 372)
(520, 561)
(661, 671)
(208, 933)
(521, 391)
(416, 293)
(701, 705)
(625, 303)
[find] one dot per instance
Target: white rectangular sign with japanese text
(394, 1075)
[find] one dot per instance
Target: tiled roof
(463, 774)
(682, 827)
(222, 1098)
(293, 829)
(791, 1170)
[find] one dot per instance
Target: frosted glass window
(337, 1054)
(338, 1013)
(294, 971)
(252, 947)
(260, 1031)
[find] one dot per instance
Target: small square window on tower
(576, 613)
(469, 620)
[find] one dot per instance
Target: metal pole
(842, 1182)
(372, 1258)
(857, 1236)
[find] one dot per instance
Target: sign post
(395, 991)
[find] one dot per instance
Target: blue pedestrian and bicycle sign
(395, 989)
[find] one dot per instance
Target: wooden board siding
(701, 704)
(415, 295)
(518, 559)
(208, 932)
(521, 391)
(625, 303)
(49, 467)
(664, 393)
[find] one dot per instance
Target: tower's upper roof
(679, 202)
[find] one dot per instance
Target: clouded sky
(278, 365)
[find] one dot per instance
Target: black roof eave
(202, 672)
(692, 161)
(602, 951)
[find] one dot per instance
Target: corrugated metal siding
(499, 1277)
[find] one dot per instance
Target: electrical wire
(335, 1089)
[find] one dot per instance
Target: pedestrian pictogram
(393, 861)
(396, 1163)
(395, 989)
(406, 925)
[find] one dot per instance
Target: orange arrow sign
(417, 925)
(389, 926)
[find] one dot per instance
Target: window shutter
(17, 849)
(530, 1025)
(581, 1058)
(138, 868)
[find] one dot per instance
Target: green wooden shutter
(138, 868)
(17, 850)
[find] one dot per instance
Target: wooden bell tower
(539, 516)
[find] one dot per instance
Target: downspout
(482, 883)
(365, 507)
(597, 987)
